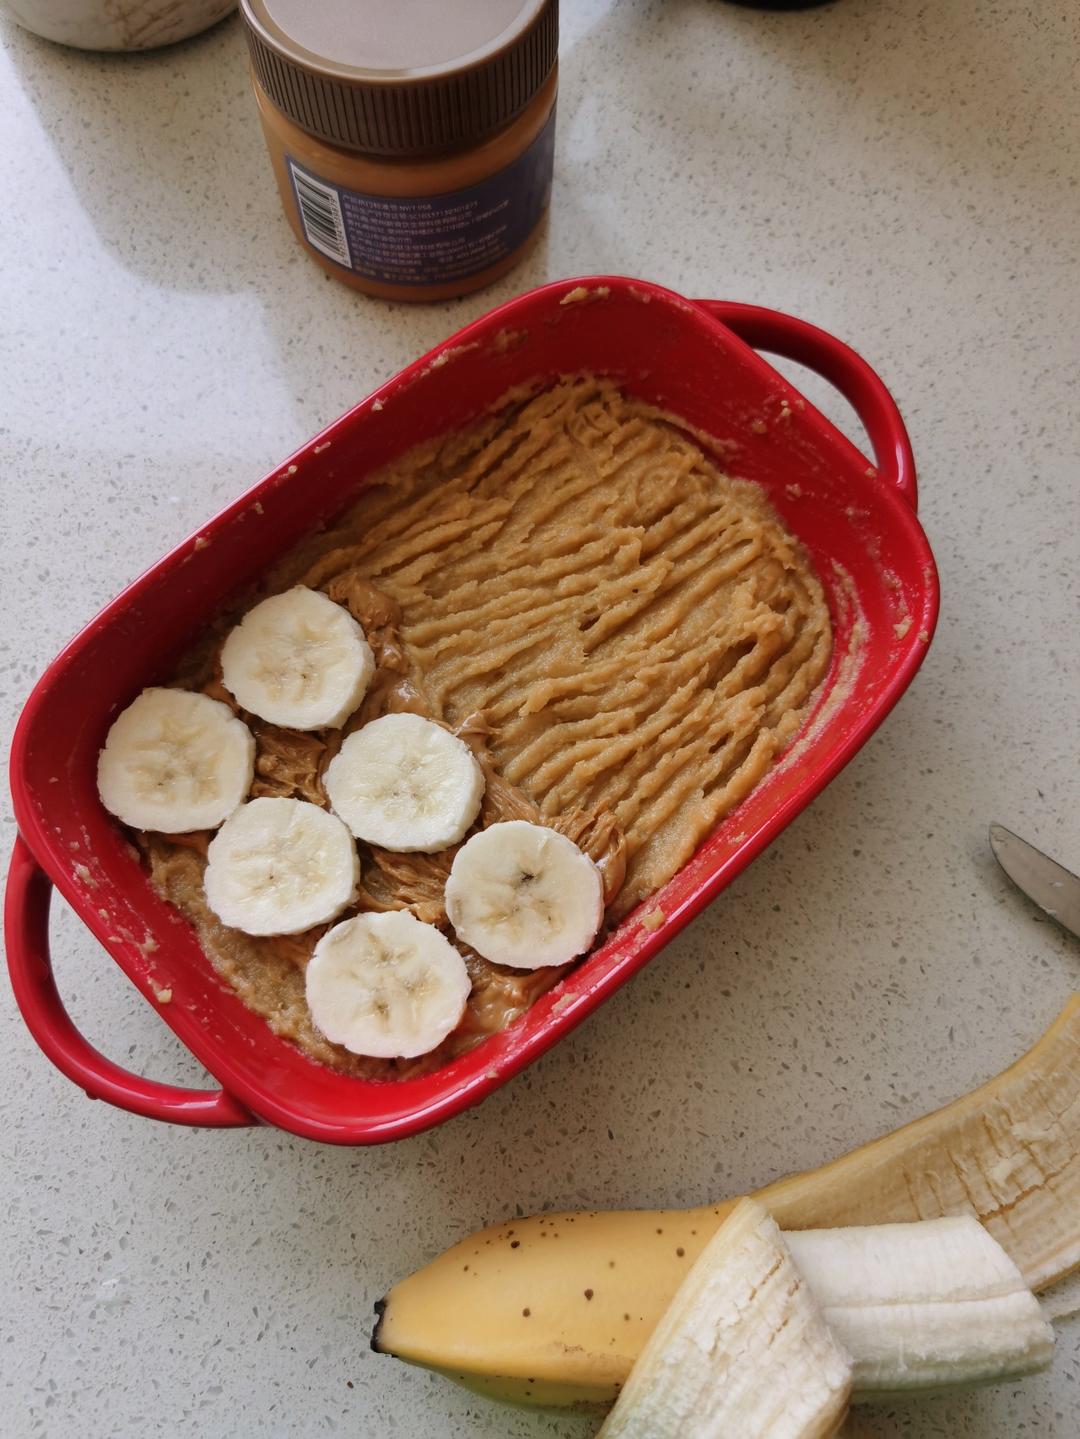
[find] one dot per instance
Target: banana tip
(380, 1311)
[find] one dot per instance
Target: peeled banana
(931, 1305)
(554, 1310)
(769, 1334)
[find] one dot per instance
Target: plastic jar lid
(401, 77)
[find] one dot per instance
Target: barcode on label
(320, 215)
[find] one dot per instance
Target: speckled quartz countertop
(904, 174)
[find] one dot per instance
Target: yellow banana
(553, 1310)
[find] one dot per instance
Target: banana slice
(386, 985)
(280, 866)
(175, 761)
(405, 784)
(298, 660)
(524, 895)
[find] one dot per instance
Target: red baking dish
(698, 360)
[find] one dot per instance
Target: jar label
(431, 240)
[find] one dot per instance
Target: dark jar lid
(401, 77)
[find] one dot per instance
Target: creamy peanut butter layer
(628, 638)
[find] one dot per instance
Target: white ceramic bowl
(116, 24)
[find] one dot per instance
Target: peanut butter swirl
(639, 631)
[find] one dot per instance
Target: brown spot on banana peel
(985, 1153)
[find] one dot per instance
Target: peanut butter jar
(412, 141)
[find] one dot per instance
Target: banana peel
(553, 1310)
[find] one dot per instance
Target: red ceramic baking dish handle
(26, 924)
(862, 387)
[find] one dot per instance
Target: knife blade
(1041, 878)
